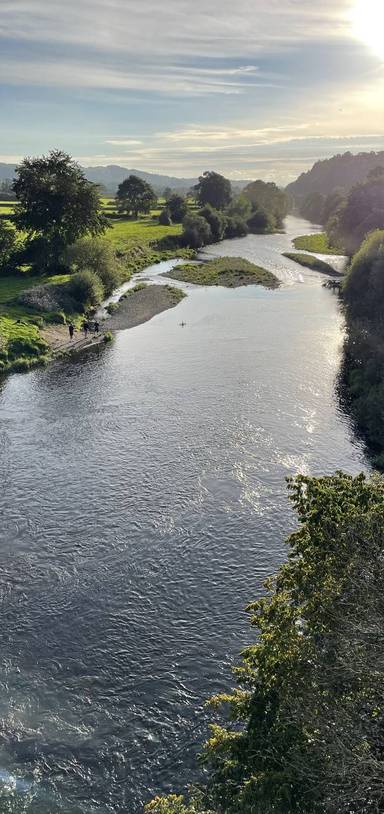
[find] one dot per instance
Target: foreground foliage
(305, 730)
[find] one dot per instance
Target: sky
(249, 88)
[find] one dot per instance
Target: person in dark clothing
(96, 327)
(71, 329)
(85, 327)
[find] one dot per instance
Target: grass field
(230, 272)
(313, 263)
(317, 243)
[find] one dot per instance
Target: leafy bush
(235, 227)
(86, 289)
(165, 217)
(364, 286)
(196, 231)
(261, 220)
(216, 220)
(177, 207)
(97, 256)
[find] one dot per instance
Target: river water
(143, 504)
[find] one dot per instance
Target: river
(143, 504)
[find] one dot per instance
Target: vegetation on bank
(230, 272)
(362, 378)
(311, 262)
(63, 248)
(349, 215)
(318, 243)
(302, 732)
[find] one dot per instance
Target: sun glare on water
(368, 24)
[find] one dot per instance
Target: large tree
(57, 204)
(267, 196)
(135, 196)
(213, 189)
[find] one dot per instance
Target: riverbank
(230, 272)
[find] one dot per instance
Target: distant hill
(112, 175)
(340, 172)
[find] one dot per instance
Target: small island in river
(313, 263)
(142, 303)
(230, 272)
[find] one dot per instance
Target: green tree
(165, 217)
(178, 207)
(235, 227)
(57, 205)
(95, 255)
(261, 220)
(135, 196)
(213, 189)
(362, 212)
(196, 231)
(304, 730)
(364, 284)
(240, 206)
(8, 245)
(86, 289)
(268, 197)
(217, 221)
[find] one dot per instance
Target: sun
(368, 24)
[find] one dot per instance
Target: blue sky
(250, 88)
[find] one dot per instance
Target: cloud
(218, 28)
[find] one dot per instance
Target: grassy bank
(137, 244)
(313, 263)
(317, 243)
(230, 272)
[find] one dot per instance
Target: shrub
(112, 307)
(108, 337)
(56, 318)
(261, 220)
(165, 218)
(86, 289)
(196, 231)
(235, 227)
(97, 256)
(217, 221)
(364, 286)
(177, 207)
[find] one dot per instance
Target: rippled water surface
(143, 503)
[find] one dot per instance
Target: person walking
(85, 328)
(96, 327)
(71, 329)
